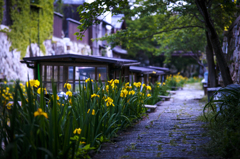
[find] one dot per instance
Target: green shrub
(224, 125)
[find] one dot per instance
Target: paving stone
(170, 132)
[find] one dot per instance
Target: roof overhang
(80, 59)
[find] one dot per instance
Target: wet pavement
(170, 132)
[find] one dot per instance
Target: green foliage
(175, 27)
(224, 122)
(193, 80)
(1, 10)
(173, 81)
(48, 127)
(25, 16)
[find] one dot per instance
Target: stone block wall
(13, 69)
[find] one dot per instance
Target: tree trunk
(215, 43)
(211, 66)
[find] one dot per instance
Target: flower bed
(56, 127)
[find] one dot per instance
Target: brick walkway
(170, 132)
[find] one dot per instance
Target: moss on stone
(25, 16)
(1, 10)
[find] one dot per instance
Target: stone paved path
(170, 132)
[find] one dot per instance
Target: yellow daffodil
(107, 88)
(163, 83)
(93, 112)
(69, 93)
(9, 105)
(123, 93)
(5, 82)
(77, 131)
(94, 95)
(110, 82)
(70, 101)
(127, 84)
(137, 84)
(149, 88)
(68, 86)
(99, 75)
(148, 95)
(57, 97)
(40, 112)
(33, 83)
(116, 81)
(88, 80)
(109, 101)
(132, 92)
(41, 90)
(88, 111)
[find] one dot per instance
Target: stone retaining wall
(11, 67)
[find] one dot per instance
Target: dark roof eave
(94, 58)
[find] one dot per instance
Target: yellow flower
(82, 142)
(40, 112)
(107, 88)
(69, 93)
(33, 83)
(124, 93)
(93, 112)
(62, 104)
(87, 80)
(94, 95)
(77, 131)
(132, 92)
(143, 85)
(57, 97)
(116, 81)
(41, 90)
(137, 84)
(148, 95)
(67, 85)
(154, 72)
(5, 82)
(88, 111)
(149, 88)
(110, 82)
(99, 75)
(126, 84)
(109, 101)
(84, 87)
(163, 83)
(70, 101)
(9, 105)
(130, 87)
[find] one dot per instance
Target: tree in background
(209, 15)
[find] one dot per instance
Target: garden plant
(33, 126)
(222, 114)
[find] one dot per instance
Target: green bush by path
(55, 127)
(224, 122)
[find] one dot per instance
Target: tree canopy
(164, 19)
